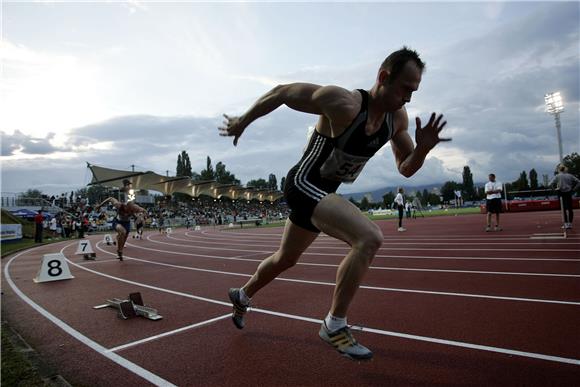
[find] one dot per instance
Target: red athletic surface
(433, 282)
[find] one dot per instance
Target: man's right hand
(232, 126)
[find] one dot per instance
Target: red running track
(443, 303)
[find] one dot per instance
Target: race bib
(343, 167)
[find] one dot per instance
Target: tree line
(221, 175)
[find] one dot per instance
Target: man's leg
(121, 238)
(488, 225)
(294, 241)
(341, 219)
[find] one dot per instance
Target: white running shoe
(401, 229)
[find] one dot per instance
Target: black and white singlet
(328, 162)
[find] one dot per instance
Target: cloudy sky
(134, 83)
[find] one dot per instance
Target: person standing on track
(400, 203)
(565, 184)
(352, 126)
(493, 191)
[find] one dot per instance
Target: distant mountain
(378, 193)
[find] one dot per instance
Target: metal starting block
(132, 307)
(90, 257)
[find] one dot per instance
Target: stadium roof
(169, 185)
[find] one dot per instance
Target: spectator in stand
(565, 184)
(38, 222)
(493, 191)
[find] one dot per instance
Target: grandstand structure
(168, 185)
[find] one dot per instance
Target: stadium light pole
(555, 106)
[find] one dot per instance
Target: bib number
(341, 166)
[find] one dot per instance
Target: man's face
(397, 92)
(492, 178)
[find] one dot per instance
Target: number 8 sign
(53, 267)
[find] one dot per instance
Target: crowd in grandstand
(78, 217)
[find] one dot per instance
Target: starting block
(197, 228)
(86, 250)
(168, 230)
(132, 307)
(108, 239)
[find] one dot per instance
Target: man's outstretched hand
(232, 126)
(428, 136)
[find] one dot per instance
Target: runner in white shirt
(493, 191)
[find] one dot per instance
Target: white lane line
(361, 287)
(242, 236)
(312, 253)
(481, 272)
(377, 267)
(525, 239)
(334, 254)
(384, 248)
(169, 333)
(454, 343)
(128, 365)
(387, 241)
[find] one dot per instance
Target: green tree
(468, 186)
(364, 204)
(572, 161)
(282, 183)
(183, 165)
(31, 193)
(208, 173)
(223, 176)
(448, 190)
(533, 179)
(521, 184)
(96, 194)
(273, 182)
(388, 199)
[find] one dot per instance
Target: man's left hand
(428, 136)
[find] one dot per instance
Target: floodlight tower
(555, 106)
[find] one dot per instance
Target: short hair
(398, 59)
(127, 182)
(491, 174)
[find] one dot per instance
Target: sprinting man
(493, 191)
(122, 221)
(352, 126)
(565, 184)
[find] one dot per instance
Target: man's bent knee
(370, 241)
(286, 259)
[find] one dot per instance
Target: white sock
(334, 323)
(244, 299)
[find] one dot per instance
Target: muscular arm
(113, 201)
(410, 158)
(334, 102)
